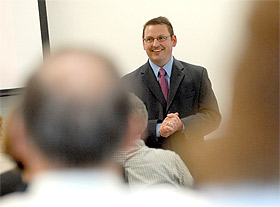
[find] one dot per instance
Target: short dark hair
(159, 20)
(71, 132)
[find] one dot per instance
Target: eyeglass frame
(153, 39)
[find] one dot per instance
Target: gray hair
(138, 108)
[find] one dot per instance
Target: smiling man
(178, 96)
(156, 45)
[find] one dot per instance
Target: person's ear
(17, 139)
(174, 40)
(133, 131)
(144, 46)
(144, 133)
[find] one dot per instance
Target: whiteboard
(20, 42)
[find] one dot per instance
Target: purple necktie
(163, 83)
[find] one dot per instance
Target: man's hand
(171, 124)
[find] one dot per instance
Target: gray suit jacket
(190, 95)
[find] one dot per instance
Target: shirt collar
(167, 67)
(123, 155)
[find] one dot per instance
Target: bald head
(74, 110)
(78, 74)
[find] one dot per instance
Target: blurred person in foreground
(242, 168)
(11, 180)
(71, 121)
(148, 167)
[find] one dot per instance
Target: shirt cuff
(183, 128)
(157, 129)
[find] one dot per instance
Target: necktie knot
(162, 72)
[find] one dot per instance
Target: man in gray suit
(183, 102)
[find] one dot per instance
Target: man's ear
(144, 134)
(133, 132)
(143, 41)
(174, 40)
(17, 144)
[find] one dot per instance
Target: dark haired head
(159, 20)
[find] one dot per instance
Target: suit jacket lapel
(175, 80)
(151, 82)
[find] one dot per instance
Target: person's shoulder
(15, 199)
(188, 66)
(163, 154)
(173, 156)
(136, 72)
(131, 74)
(172, 197)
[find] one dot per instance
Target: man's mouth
(157, 50)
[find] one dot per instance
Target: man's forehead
(158, 29)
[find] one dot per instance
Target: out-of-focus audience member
(10, 180)
(1, 128)
(148, 167)
(242, 168)
(71, 120)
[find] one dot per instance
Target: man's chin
(156, 58)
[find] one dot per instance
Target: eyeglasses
(159, 39)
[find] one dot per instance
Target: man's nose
(155, 43)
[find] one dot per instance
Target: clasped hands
(171, 124)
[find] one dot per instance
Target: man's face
(159, 52)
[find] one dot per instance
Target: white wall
(20, 41)
(20, 47)
(209, 33)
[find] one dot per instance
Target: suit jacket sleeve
(208, 117)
